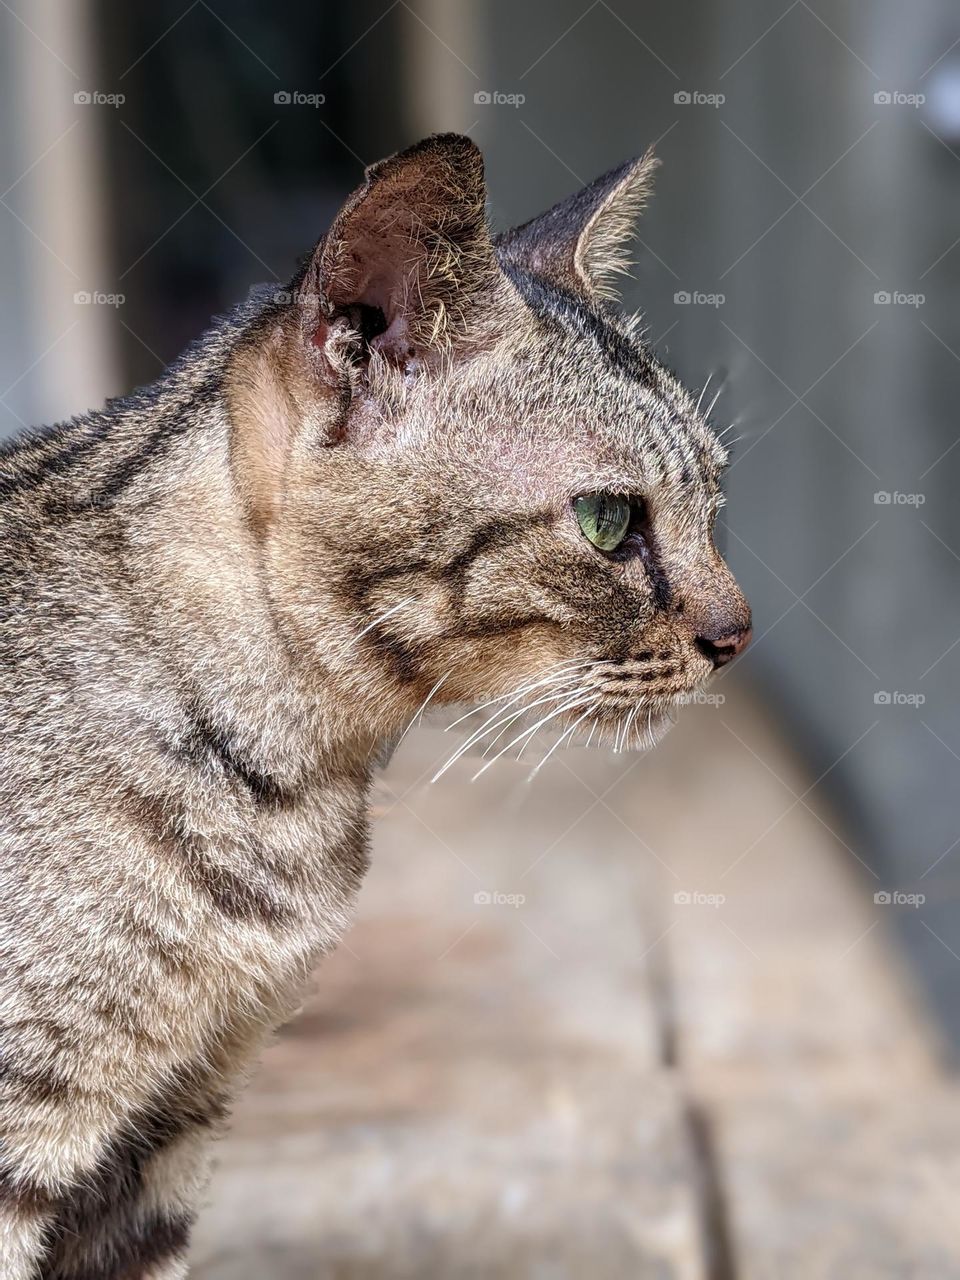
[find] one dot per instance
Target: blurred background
(791, 856)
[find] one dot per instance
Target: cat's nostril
(724, 649)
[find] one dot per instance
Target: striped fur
(223, 594)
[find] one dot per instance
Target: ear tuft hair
(411, 244)
(584, 241)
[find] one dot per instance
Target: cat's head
(467, 473)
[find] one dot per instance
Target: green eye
(604, 518)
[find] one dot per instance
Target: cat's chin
(638, 730)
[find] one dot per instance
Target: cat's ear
(584, 241)
(408, 250)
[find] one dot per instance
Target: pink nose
(723, 649)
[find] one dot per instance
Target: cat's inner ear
(584, 242)
(408, 252)
(401, 273)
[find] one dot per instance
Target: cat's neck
(202, 579)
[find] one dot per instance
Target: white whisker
(386, 614)
(626, 732)
(491, 723)
(703, 392)
(513, 694)
(714, 400)
(566, 734)
(418, 715)
(522, 711)
(576, 701)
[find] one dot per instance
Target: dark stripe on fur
(153, 446)
(491, 537)
(144, 1244)
(551, 302)
(231, 894)
(498, 626)
(97, 431)
(76, 447)
(652, 559)
(98, 1229)
(234, 895)
(205, 740)
(574, 311)
(38, 1086)
(401, 657)
(361, 585)
(20, 1194)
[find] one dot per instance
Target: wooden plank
(796, 967)
(820, 1188)
(477, 1087)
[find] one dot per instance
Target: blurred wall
(57, 351)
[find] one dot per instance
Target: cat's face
(499, 490)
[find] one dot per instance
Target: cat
(440, 465)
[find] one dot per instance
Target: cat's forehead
(571, 396)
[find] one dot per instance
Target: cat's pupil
(604, 518)
(610, 516)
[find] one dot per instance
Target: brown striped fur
(224, 593)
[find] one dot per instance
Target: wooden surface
(638, 1018)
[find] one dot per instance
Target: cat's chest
(275, 888)
(307, 845)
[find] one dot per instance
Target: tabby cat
(439, 464)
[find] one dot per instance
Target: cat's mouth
(626, 706)
(636, 728)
